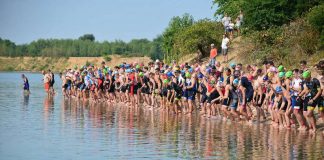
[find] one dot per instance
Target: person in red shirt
(213, 54)
(131, 83)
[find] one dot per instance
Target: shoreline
(59, 64)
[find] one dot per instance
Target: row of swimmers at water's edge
(236, 92)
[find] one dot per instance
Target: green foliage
(107, 58)
(231, 7)
(7, 47)
(89, 37)
(287, 44)
(87, 63)
(81, 48)
(199, 36)
(264, 14)
(316, 18)
(156, 50)
(176, 25)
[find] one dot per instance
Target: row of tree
(182, 36)
(264, 14)
(85, 46)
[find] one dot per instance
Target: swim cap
(278, 89)
(232, 65)
(289, 74)
(265, 78)
(141, 74)
(200, 75)
(165, 81)
(169, 74)
(236, 81)
(190, 70)
(208, 70)
(187, 75)
(105, 71)
(281, 74)
(138, 66)
(306, 74)
(280, 68)
(75, 67)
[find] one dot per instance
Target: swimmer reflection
(48, 107)
(192, 137)
(26, 100)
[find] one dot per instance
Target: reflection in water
(26, 100)
(188, 137)
(48, 107)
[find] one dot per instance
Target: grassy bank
(37, 64)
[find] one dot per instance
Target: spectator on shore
(241, 16)
(238, 25)
(231, 29)
(226, 20)
(213, 54)
(225, 44)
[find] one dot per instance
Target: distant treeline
(85, 46)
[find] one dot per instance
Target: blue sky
(23, 21)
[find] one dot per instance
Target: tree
(156, 51)
(199, 36)
(177, 24)
(89, 37)
(264, 14)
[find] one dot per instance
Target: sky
(23, 21)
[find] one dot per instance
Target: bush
(316, 17)
(107, 58)
(287, 44)
(199, 36)
(87, 63)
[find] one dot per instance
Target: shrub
(316, 17)
(286, 44)
(107, 58)
(87, 63)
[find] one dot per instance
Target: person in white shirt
(231, 29)
(238, 25)
(226, 22)
(241, 16)
(225, 44)
(295, 89)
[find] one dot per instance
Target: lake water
(37, 127)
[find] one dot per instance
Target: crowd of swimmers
(235, 92)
